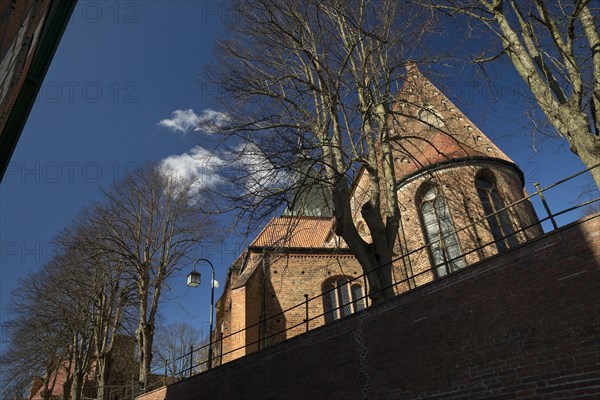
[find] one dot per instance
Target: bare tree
(309, 88)
(78, 305)
(114, 257)
(150, 222)
(553, 46)
(172, 343)
(113, 291)
(108, 285)
(51, 333)
(30, 356)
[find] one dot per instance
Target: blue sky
(121, 68)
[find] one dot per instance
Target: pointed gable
(429, 128)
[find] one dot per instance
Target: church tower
(453, 186)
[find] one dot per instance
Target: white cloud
(246, 166)
(262, 175)
(199, 165)
(184, 121)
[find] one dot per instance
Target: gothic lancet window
(342, 298)
(442, 239)
(499, 221)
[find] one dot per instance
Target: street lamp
(193, 280)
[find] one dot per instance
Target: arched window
(442, 239)
(342, 298)
(500, 225)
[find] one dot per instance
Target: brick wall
(157, 394)
(293, 276)
(525, 324)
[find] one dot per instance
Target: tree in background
(553, 46)
(172, 343)
(309, 88)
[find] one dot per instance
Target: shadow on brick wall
(524, 324)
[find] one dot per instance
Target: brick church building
(454, 186)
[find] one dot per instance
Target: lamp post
(193, 280)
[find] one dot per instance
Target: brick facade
(437, 147)
(456, 183)
(521, 325)
(259, 306)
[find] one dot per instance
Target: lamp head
(193, 279)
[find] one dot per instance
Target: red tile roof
(441, 147)
(306, 232)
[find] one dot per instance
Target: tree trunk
(569, 121)
(78, 385)
(585, 145)
(48, 388)
(380, 279)
(145, 333)
(375, 258)
(45, 393)
(379, 257)
(66, 388)
(103, 366)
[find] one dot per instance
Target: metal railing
(263, 336)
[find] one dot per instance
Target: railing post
(165, 374)
(539, 192)
(265, 331)
(259, 330)
(191, 358)
(366, 289)
(306, 309)
(221, 350)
